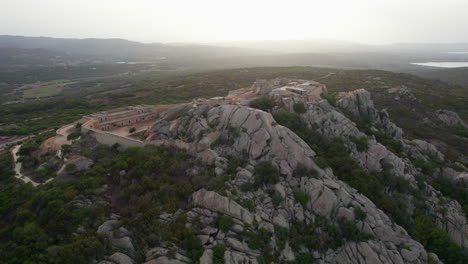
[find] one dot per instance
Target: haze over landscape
(210, 21)
(235, 132)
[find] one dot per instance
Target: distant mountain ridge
(120, 48)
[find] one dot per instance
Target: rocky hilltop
(277, 173)
(299, 201)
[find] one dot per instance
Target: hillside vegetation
(164, 88)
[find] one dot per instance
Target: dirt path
(18, 165)
(325, 76)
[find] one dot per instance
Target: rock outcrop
(358, 104)
(450, 118)
(119, 238)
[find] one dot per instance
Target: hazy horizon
(209, 21)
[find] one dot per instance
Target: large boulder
(450, 118)
(221, 204)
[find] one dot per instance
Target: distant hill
(119, 49)
(334, 46)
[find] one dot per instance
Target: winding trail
(18, 166)
(62, 132)
(325, 76)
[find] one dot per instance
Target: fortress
(123, 117)
(114, 126)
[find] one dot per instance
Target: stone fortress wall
(106, 138)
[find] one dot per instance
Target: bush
(331, 99)
(265, 173)
(304, 259)
(234, 162)
(302, 198)
(224, 223)
(276, 198)
(132, 130)
(218, 254)
(65, 148)
(351, 232)
(246, 187)
(321, 162)
(302, 170)
(299, 107)
(249, 204)
(262, 104)
(73, 135)
(361, 143)
(78, 125)
(359, 214)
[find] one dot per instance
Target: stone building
(123, 117)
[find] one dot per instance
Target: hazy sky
(365, 21)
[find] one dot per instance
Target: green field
(46, 90)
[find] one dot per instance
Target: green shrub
(351, 232)
(299, 108)
(436, 240)
(262, 104)
(304, 258)
(361, 143)
(302, 198)
(73, 135)
(218, 254)
(266, 173)
(132, 130)
(276, 198)
(321, 162)
(302, 170)
(78, 125)
(65, 148)
(224, 223)
(246, 187)
(249, 204)
(331, 99)
(359, 214)
(234, 162)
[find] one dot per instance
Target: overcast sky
(364, 21)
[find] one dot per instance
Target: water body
(442, 64)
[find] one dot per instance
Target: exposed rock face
(329, 199)
(81, 163)
(252, 131)
(118, 258)
(119, 239)
(420, 149)
(450, 118)
(221, 204)
(453, 175)
(359, 104)
(402, 92)
(333, 124)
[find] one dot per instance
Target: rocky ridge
(214, 134)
